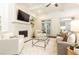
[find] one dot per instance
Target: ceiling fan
(56, 5)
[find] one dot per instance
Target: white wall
(7, 13)
(71, 12)
(4, 16)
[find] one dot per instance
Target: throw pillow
(64, 35)
(71, 38)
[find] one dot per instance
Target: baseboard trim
(52, 36)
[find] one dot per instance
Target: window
(65, 23)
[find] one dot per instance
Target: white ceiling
(40, 9)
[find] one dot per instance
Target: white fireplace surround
(19, 26)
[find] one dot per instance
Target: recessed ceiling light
(39, 11)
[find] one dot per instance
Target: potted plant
(77, 46)
(33, 36)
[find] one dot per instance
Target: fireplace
(24, 32)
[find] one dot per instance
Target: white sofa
(12, 45)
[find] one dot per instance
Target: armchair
(62, 46)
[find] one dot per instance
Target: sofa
(63, 42)
(10, 45)
(61, 46)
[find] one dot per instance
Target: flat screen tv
(22, 16)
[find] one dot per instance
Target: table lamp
(75, 29)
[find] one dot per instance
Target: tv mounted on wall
(22, 16)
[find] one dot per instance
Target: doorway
(46, 27)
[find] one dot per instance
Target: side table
(70, 51)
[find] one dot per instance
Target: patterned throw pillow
(64, 35)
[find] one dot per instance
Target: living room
(23, 25)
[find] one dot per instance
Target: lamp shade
(75, 25)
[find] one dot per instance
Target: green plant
(77, 46)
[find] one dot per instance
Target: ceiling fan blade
(48, 5)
